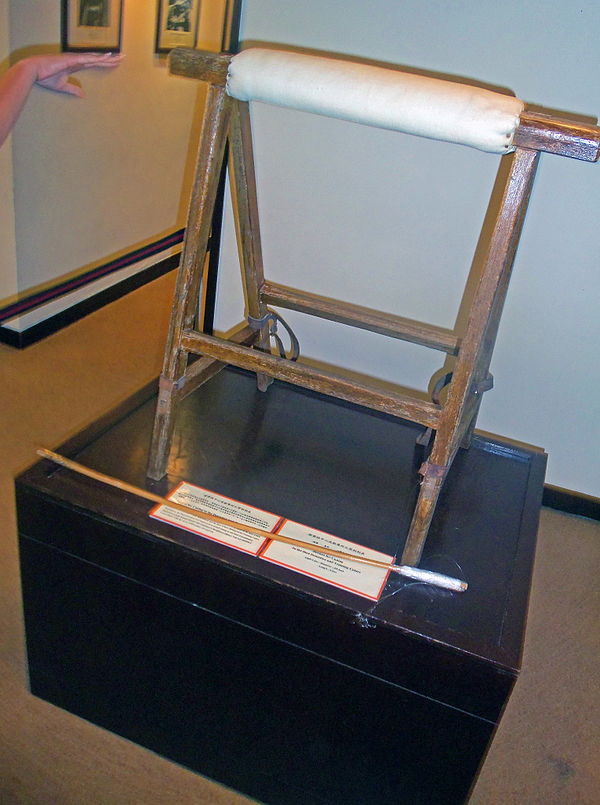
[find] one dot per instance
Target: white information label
(205, 501)
(356, 577)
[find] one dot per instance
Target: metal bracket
(439, 387)
(484, 385)
(476, 388)
(423, 439)
(273, 319)
(433, 470)
(166, 385)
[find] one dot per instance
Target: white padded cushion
(377, 96)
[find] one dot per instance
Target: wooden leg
(185, 306)
(433, 478)
(471, 371)
(162, 432)
(246, 205)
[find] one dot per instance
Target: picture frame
(93, 25)
(177, 24)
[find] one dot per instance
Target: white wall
(392, 221)
(99, 177)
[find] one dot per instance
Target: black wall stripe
(27, 303)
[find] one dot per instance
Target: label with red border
(356, 577)
(206, 501)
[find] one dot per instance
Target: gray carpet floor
(546, 749)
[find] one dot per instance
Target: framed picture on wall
(92, 25)
(177, 24)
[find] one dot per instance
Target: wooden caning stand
(453, 421)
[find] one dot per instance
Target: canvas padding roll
(377, 96)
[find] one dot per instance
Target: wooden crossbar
(203, 65)
(365, 318)
(555, 135)
(206, 367)
(403, 406)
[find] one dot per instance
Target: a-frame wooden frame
(228, 121)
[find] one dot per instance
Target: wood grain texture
(472, 365)
(200, 64)
(555, 135)
(246, 204)
(358, 316)
(201, 370)
(389, 402)
(210, 157)
(482, 327)
(211, 151)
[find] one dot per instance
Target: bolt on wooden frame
(227, 119)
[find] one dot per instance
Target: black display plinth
(278, 685)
